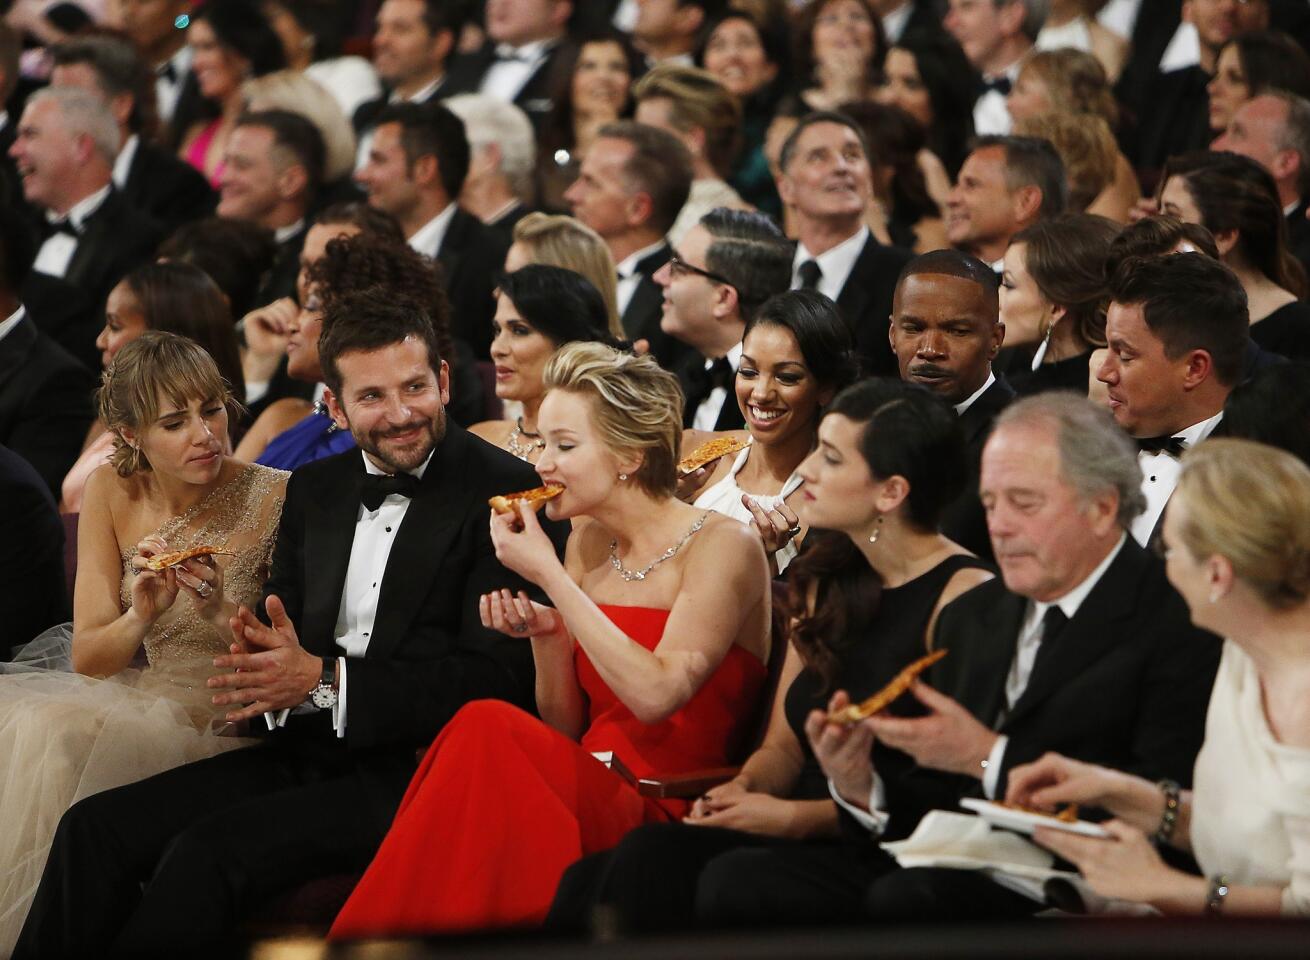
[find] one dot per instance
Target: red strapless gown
(503, 803)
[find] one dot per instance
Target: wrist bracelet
(1216, 894)
(1169, 819)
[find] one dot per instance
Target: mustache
(930, 370)
(404, 428)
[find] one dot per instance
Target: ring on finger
(519, 627)
(794, 531)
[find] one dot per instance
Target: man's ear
(640, 206)
(1200, 367)
(1025, 203)
(293, 182)
(425, 170)
(1225, 240)
(727, 302)
(121, 107)
(335, 410)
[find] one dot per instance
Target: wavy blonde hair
(1250, 504)
(636, 406)
(555, 240)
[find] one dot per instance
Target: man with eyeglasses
(826, 180)
(724, 268)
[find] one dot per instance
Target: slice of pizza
(1066, 814)
(536, 498)
(165, 560)
(711, 450)
(855, 712)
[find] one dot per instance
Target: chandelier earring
(877, 530)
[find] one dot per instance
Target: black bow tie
(166, 71)
(1000, 84)
(508, 54)
(378, 488)
(702, 380)
(1173, 446)
(63, 225)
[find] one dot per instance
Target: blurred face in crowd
(1252, 15)
(1144, 386)
(691, 299)
(124, 322)
(219, 71)
(659, 21)
(517, 22)
(776, 391)
(903, 87)
(737, 58)
(46, 155)
(519, 351)
(944, 333)
(844, 28)
(149, 23)
(1025, 311)
(600, 197)
(839, 487)
(1176, 200)
(386, 175)
(982, 26)
(1228, 89)
(1047, 537)
(980, 208)
(250, 183)
(1031, 97)
(1215, 20)
(392, 402)
(601, 78)
(828, 175)
(1257, 130)
(403, 47)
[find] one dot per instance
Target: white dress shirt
(991, 116)
(14, 319)
(1160, 475)
(707, 414)
(1184, 49)
(836, 263)
(283, 234)
(123, 162)
(513, 68)
(375, 532)
(1021, 667)
(428, 238)
(894, 23)
(628, 277)
(57, 252)
(1120, 16)
(168, 91)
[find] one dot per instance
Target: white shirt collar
(968, 402)
(428, 238)
(4, 119)
(283, 234)
(1197, 432)
(84, 208)
(1287, 210)
(377, 471)
(528, 53)
(628, 264)
(893, 24)
(835, 263)
(1184, 49)
(422, 95)
(1071, 601)
(123, 162)
(11, 321)
(733, 357)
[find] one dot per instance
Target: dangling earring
(135, 460)
(1040, 355)
(877, 531)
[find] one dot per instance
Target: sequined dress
(64, 736)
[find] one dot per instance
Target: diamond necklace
(631, 575)
(520, 450)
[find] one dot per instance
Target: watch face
(324, 697)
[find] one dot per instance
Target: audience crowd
(995, 312)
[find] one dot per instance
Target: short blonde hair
(636, 403)
(560, 241)
(1087, 147)
(1077, 82)
(1250, 504)
(155, 364)
(294, 92)
(697, 99)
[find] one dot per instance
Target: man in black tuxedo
(150, 178)
(908, 17)
(412, 41)
(502, 161)
(416, 167)
(1177, 329)
(527, 59)
(1080, 647)
(369, 640)
(827, 181)
(158, 30)
(996, 37)
(32, 589)
(945, 333)
(45, 393)
(724, 268)
(273, 171)
(66, 146)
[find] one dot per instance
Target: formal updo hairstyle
(154, 365)
(560, 241)
(1064, 256)
(636, 405)
(1250, 504)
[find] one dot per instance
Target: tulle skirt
(64, 736)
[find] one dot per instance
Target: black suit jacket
(281, 279)
(730, 416)
(429, 653)
(115, 240)
(641, 318)
(45, 402)
(1298, 235)
(32, 590)
(166, 188)
(472, 255)
(1126, 683)
(64, 313)
(964, 520)
(537, 97)
(504, 224)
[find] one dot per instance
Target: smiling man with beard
(945, 332)
(368, 640)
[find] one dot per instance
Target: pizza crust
(881, 700)
(709, 451)
(536, 498)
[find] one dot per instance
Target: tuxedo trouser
(175, 861)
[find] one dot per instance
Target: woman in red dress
(654, 650)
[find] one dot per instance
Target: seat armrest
(685, 786)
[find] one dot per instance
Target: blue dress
(311, 439)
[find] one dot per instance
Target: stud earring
(877, 531)
(623, 476)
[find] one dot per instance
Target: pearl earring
(877, 532)
(623, 476)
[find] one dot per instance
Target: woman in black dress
(864, 597)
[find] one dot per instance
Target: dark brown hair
(1065, 258)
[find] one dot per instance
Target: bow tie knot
(1167, 444)
(378, 487)
(53, 225)
(507, 54)
(1000, 84)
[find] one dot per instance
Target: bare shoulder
(726, 545)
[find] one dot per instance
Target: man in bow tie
(996, 36)
(367, 641)
(1177, 330)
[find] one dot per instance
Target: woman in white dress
(1237, 534)
(796, 356)
(77, 721)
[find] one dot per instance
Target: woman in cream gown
(84, 711)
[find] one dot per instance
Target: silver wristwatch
(324, 696)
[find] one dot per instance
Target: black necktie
(378, 488)
(1171, 445)
(1053, 621)
(1000, 84)
(810, 275)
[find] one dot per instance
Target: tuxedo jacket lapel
(980, 662)
(452, 243)
(329, 537)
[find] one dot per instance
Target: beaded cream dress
(64, 736)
